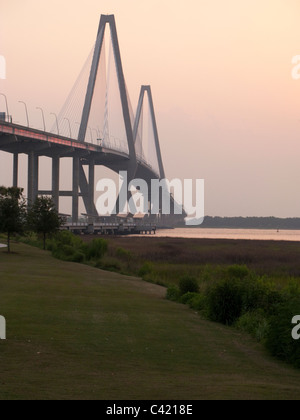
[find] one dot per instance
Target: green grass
(75, 332)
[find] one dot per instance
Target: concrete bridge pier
(91, 187)
(33, 176)
(55, 180)
(16, 170)
(75, 193)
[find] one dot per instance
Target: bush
(199, 303)
(124, 254)
(188, 284)
(96, 249)
(173, 293)
(259, 294)
(31, 239)
(68, 247)
(225, 301)
(77, 257)
(254, 323)
(147, 268)
(65, 237)
(238, 271)
(188, 297)
(292, 289)
(68, 253)
(109, 264)
(279, 341)
(62, 252)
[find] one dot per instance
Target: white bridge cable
(106, 126)
(106, 115)
(70, 115)
(114, 129)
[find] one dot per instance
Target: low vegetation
(251, 304)
(76, 332)
(257, 300)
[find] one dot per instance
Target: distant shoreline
(265, 223)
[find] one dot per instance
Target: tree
(12, 212)
(43, 217)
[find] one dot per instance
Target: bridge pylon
(88, 185)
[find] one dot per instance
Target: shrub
(68, 253)
(199, 303)
(147, 268)
(254, 323)
(96, 249)
(188, 297)
(68, 247)
(109, 264)
(31, 239)
(279, 341)
(77, 257)
(173, 293)
(238, 271)
(259, 294)
(262, 330)
(124, 254)
(62, 252)
(292, 289)
(188, 284)
(225, 301)
(66, 237)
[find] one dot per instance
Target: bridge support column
(16, 170)
(91, 187)
(55, 181)
(75, 204)
(33, 176)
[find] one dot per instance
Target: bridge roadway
(16, 139)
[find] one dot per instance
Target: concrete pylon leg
(75, 204)
(33, 176)
(91, 187)
(16, 170)
(55, 181)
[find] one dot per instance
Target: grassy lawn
(75, 332)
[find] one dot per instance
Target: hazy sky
(228, 109)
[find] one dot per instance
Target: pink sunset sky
(227, 106)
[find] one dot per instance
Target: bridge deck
(19, 139)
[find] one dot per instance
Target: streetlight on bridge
(43, 117)
(4, 96)
(67, 119)
(52, 113)
(26, 110)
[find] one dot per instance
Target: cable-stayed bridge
(96, 127)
